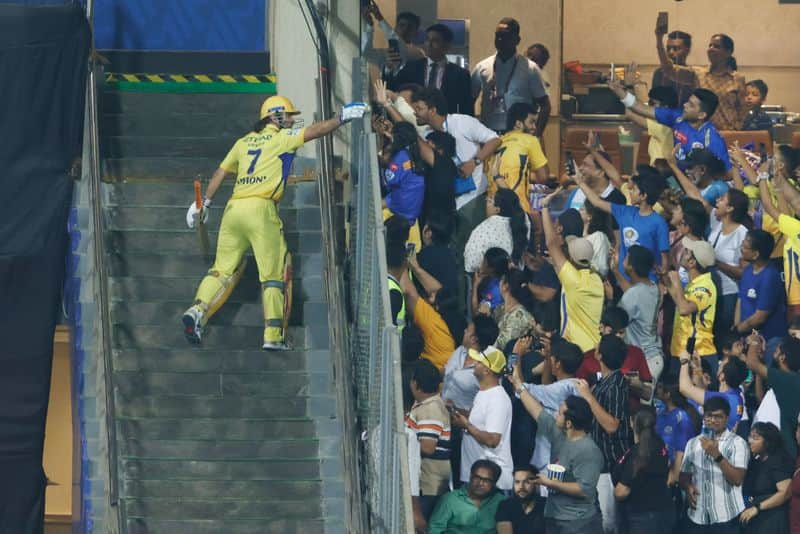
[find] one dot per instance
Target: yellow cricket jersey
(790, 228)
(768, 224)
(700, 324)
(582, 298)
(262, 161)
(520, 154)
(662, 140)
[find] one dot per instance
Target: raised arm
(606, 420)
(673, 72)
(688, 186)
(551, 238)
(429, 283)
(629, 99)
(608, 167)
(687, 388)
(591, 196)
(531, 404)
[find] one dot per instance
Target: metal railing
(96, 200)
(376, 346)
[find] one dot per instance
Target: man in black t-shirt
(436, 257)
(440, 193)
(524, 511)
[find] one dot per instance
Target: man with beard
(524, 511)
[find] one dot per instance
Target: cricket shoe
(191, 325)
(276, 346)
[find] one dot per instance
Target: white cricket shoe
(191, 325)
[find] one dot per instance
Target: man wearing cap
(696, 304)
(582, 291)
(260, 162)
(487, 431)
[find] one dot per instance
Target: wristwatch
(718, 458)
(685, 361)
(762, 176)
(477, 161)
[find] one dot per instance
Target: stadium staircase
(224, 437)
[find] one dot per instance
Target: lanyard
(508, 80)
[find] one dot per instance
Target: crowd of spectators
(618, 354)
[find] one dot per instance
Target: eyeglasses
(715, 416)
(482, 480)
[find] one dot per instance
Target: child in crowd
(757, 118)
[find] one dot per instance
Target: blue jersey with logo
(675, 428)
(707, 136)
(406, 187)
(649, 231)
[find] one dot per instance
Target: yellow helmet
(277, 104)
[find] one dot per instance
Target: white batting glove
(193, 213)
(353, 110)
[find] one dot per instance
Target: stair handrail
(96, 201)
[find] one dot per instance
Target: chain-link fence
(376, 347)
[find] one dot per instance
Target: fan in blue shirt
(762, 299)
(638, 223)
(691, 125)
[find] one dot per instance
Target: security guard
(260, 161)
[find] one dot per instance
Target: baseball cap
(491, 357)
(702, 250)
(580, 250)
(703, 156)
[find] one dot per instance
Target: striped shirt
(611, 393)
(719, 501)
(431, 420)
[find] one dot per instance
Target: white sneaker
(275, 345)
(191, 325)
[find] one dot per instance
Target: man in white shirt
(475, 143)
(505, 78)
(487, 431)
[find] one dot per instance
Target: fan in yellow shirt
(696, 304)
(520, 156)
(260, 162)
(582, 293)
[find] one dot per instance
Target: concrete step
(195, 266)
(220, 510)
(277, 449)
(126, 102)
(255, 526)
(180, 193)
(164, 167)
(169, 123)
(190, 359)
(192, 145)
(241, 314)
(214, 386)
(248, 290)
(144, 469)
(185, 240)
(215, 336)
(169, 217)
(233, 429)
(137, 406)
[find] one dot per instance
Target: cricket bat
(202, 232)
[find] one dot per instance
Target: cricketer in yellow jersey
(260, 162)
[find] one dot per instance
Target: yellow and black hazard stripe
(257, 83)
(190, 78)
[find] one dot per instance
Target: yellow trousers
(248, 223)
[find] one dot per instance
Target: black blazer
(456, 84)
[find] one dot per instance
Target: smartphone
(762, 150)
(632, 374)
(570, 163)
(512, 361)
(690, 345)
(662, 23)
(410, 249)
(394, 46)
(707, 432)
(596, 141)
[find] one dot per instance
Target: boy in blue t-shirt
(762, 299)
(638, 223)
(691, 125)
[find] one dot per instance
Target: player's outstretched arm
(354, 110)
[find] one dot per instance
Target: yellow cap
(277, 104)
(491, 357)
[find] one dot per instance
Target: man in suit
(437, 73)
